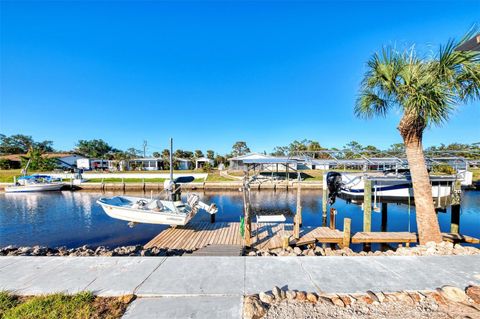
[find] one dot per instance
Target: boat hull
(34, 188)
(144, 216)
(353, 186)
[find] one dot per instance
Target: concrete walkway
(197, 287)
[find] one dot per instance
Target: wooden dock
(221, 235)
(264, 236)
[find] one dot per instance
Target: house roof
(249, 156)
(272, 160)
(18, 157)
(471, 45)
(147, 159)
(182, 159)
(204, 159)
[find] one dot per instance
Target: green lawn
(214, 176)
(83, 305)
(6, 176)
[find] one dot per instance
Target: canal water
(73, 219)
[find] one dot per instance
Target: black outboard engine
(334, 184)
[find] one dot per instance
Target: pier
(264, 236)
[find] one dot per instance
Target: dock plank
(384, 237)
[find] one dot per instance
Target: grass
(214, 176)
(82, 305)
(6, 176)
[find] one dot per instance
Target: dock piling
(324, 200)
(455, 219)
(298, 216)
(367, 210)
(347, 222)
(333, 214)
(247, 219)
(367, 205)
(384, 217)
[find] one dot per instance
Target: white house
(183, 163)
(92, 164)
(66, 160)
(201, 161)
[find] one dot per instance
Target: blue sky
(211, 73)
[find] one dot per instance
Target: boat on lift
(387, 184)
(171, 211)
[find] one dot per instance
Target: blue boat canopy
(36, 176)
(183, 179)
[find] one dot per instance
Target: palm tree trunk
(427, 222)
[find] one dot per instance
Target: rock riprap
(87, 250)
(442, 303)
(430, 249)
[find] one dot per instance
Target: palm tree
(426, 90)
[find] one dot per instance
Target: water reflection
(73, 218)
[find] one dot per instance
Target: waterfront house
(146, 164)
(63, 160)
(183, 163)
(201, 161)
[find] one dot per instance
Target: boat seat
(155, 205)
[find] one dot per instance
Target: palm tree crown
(426, 90)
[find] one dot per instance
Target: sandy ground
(392, 310)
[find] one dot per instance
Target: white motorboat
(172, 211)
(35, 183)
(154, 211)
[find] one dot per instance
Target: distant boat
(35, 183)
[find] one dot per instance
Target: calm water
(73, 219)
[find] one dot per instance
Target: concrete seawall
(149, 186)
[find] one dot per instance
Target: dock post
(333, 213)
(299, 204)
(247, 219)
(367, 205)
(367, 209)
(123, 183)
(298, 216)
(324, 200)
(455, 207)
(455, 219)
(384, 217)
(347, 222)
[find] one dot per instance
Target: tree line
(98, 148)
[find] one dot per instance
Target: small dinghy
(35, 183)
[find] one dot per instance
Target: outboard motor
(334, 184)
